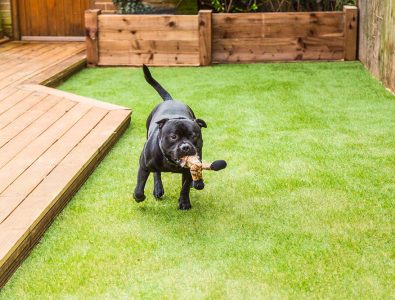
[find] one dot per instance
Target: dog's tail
(161, 91)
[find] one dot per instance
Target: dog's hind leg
(158, 186)
(142, 177)
(184, 201)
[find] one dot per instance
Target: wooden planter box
(196, 40)
(1, 27)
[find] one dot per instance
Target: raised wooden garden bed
(193, 40)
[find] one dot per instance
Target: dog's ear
(162, 122)
(201, 123)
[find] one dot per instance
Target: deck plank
(20, 108)
(17, 165)
(23, 121)
(38, 209)
(61, 71)
(50, 141)
(7, 47)
(37, 171)
(30, 133)
(12, 98)
(12, 58)
(16, 62)
(43, 58)
(4, 93)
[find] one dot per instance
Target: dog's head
(180, 137)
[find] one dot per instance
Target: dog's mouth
(177, 155)
(175, 152)
(182, 153)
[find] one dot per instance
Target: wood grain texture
(377, 39)
(226, 38)
(28, 60)
(204, 21)
(17, 243)
(11, 147)
(50, 141)
(51, 17)
(148, 22)
(17, 125)
(133, 40)
(91, 36)
(350, 32)
(278, 37)
(33, 175)
(54, 75)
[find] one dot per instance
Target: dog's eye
(173, 137)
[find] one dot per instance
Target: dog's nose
(185, 148)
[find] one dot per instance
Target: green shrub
(131, 7)
(274, 5)
(139, 7)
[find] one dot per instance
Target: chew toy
(196, 167)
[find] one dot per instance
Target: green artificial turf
(304, 209)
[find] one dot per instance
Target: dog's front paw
(184, 205)
(158, 191)
(198, 184)
(139, 197)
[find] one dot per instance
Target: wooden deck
(50, 141)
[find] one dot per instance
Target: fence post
(204, 21)
(91, 34)
(350, 32)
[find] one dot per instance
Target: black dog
(172, 133)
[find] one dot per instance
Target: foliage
(274, 5)
(139, 7)
(131, 7)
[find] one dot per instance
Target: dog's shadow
(165, 209)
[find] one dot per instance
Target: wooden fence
(377, 39)
(175, 40)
